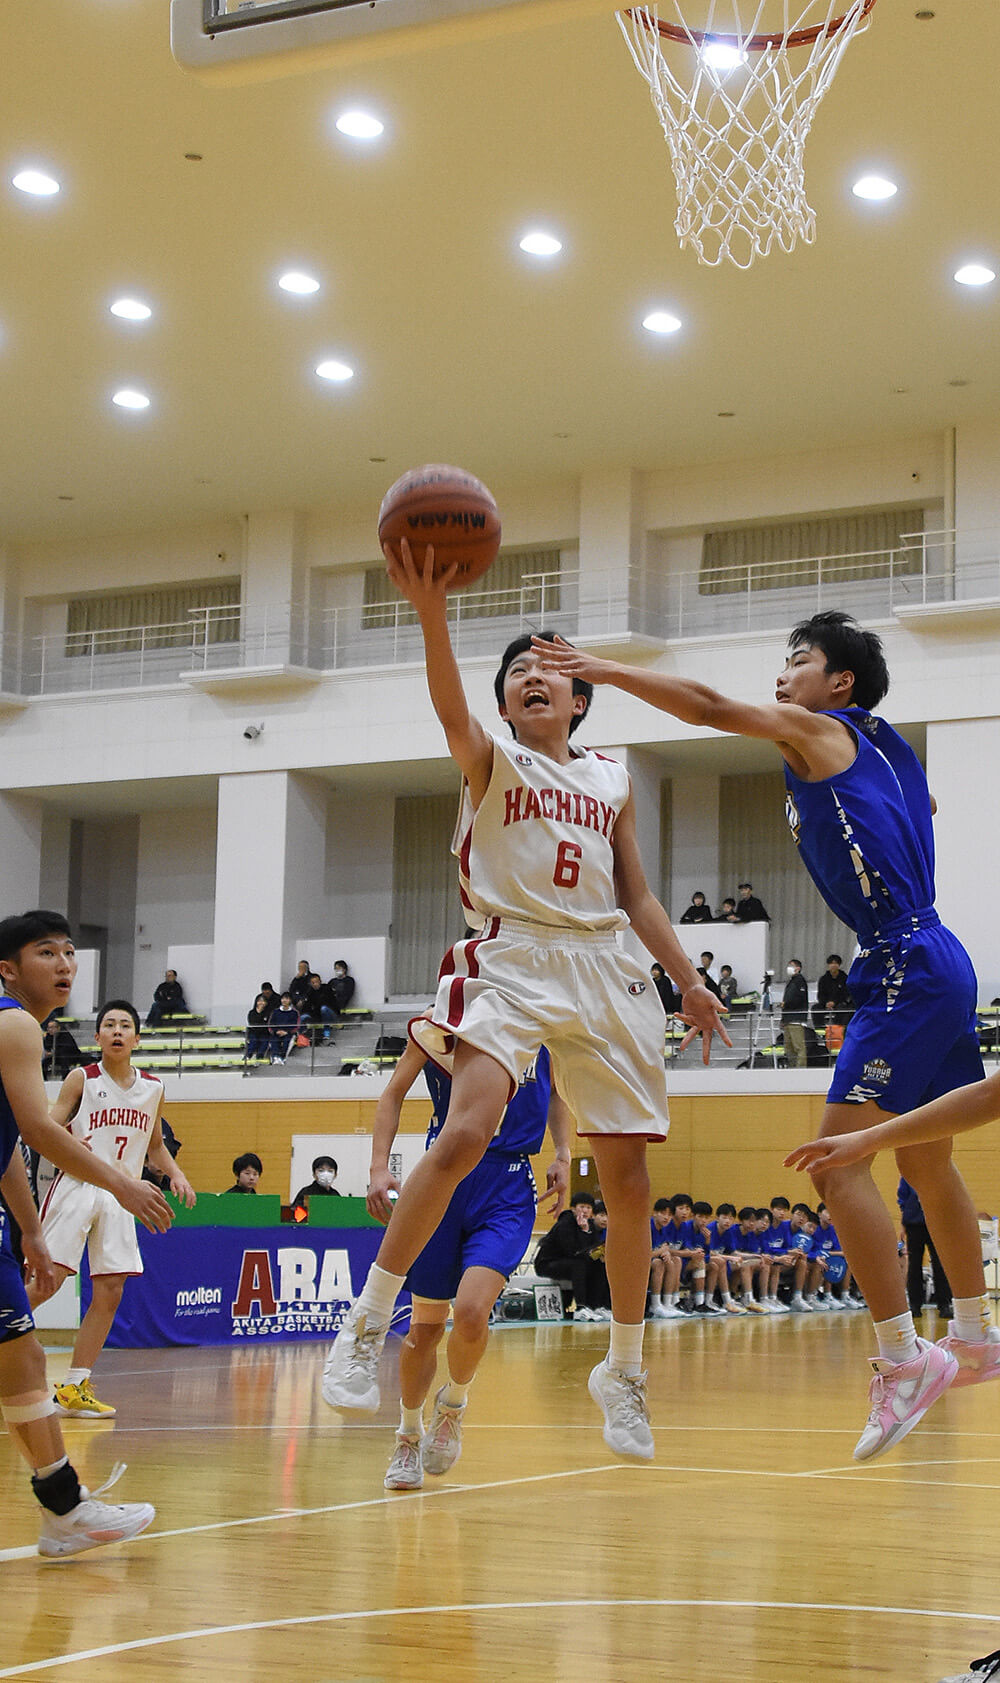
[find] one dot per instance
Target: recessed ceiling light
(36, 182)
(974, 274)
(360, 125)
(874, 187)
(131, 309)
(295, 281)
(333, 370)
(720, 55)
(660, 321)
(959, 382)
(726, 414)
(127, 398)
(539, 244)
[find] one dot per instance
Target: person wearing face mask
(794, 1012)
(324, 1171)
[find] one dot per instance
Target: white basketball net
(737, 133)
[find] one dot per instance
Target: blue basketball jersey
(865, 835)
(522, 1129)
(8, 1126)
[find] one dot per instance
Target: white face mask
(324, 1177)
(791, 971)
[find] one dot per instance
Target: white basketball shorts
(75, 1214)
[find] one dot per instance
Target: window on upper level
(520, 582)
(159, 617)
(839, 549)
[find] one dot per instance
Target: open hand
(835, 1152)
(146, 1202)
(556, 1188)
(39, 1269)
(415, 580)
(561, 656)
(702, 1011)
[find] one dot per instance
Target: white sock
(972, 1318)
(897, 1339)
(727, 1297)
(411, 1421)
(379, 1294)
(454, 1395)
(53, 1467)
(670, 1299)
(77, 1375)
(625, 1353)
(699, 1297)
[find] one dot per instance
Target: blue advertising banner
(233, 1285)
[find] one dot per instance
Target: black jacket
(565, 1240)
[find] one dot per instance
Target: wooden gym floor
(753, 1547)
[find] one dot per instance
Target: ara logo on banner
(292, 1290)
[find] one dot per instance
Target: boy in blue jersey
(701, 1235)
(825, 1264)
(37, 967)
(682, 1240)
(860, 814)
(482, 1237)
(664, 1267)
(718, 1270)
(742, 1245)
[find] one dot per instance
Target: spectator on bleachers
(564, 1254)
(705, 972)
(173, 1145)
(794, 1015)
(704, 1295)
(316, 1006)
(781, 1254)
(748, 907)
(168, 1001)
(699, 910)
(282, 1026)
(670, 1000)
(833, 1001)
(324, 1173)
(729, 987)
(728, 912)
(298, 987)
(60, 1052)
(341, 986)
(271, 1000)
(248, 1169)
(719, 1256)
(258, 1042)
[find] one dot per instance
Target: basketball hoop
(737, 127)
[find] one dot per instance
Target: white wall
(175, 890)
(365, 959)
(358, 868)
(961, 757)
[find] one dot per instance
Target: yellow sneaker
(80, 1403)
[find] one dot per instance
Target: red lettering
(608, 815)
(564, 806)
(545, 798)
(567, 871)
(590, 813)
(577, 810)
(531, 806)
(512, 812)
(256, 1285)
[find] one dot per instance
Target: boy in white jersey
(550, 869)
(115, 1110)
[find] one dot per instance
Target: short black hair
(779, 1203)
(582, 1197)
(249, 1160)
(520, 646)
(338, 962)
(701, 1208)
(729, 901)
(834, 958)
(725, 967)
(24, 927)
(797, 961)
(744, 885)
(725, 1209)
(848, 648)
(698, 894)
(748, 1213)
(117, 1005)
(803, 1207)
(762, 1215)
(662, 1204)
(600, 1207)
(681, 1198)
(708, 955)
(318, 1162)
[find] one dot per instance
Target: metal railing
(927, 570)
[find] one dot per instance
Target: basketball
(449, 509)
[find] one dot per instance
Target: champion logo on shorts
(877, 1070)
(637, 987)
(524, 759)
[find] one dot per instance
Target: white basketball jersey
(539, 845)
(116, 1122)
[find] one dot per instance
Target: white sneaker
(91, 1523)
(900, 1395)
(441, 1444)
(672, 1313)
(731, 1306)
(659, 1312)
(835, 1302)
(405, 1471)
(350, 1376)
(583, 1314)
(801, 1306)
(604, 1315)
(777, 1307)
(621, 1398)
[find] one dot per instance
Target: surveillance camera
(252, 732)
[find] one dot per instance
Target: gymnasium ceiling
(463, 348)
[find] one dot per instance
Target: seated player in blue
(681, 1239)
(742, 1245)
(717, 1260)
(860, 814)
(701, 1234)
(664, 1267)
(482, 1237)
(782, 1258)
(828, 1267)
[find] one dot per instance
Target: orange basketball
(449, 509)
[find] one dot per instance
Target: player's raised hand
(378, 1202)
(146, 1202)
(556, 1188)
(575, 663)
(703, 1012)
(835, 1152)
(415, 580)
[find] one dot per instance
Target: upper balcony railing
(927, 571)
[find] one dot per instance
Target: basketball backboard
(260, 40)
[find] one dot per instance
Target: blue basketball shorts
(15, 1315)
(487, 1224)
(913, 1036)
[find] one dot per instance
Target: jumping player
(115, 1110)
(549, 866)
(37, 966)
(484, 1234)
(860, 814)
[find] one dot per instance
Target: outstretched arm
(819, 740)
(381, 1180)
(955, 1113)
(560, 1123)
(468, 742)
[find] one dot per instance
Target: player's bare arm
(381, 1180)
(21, 1060)
(161, 1162)
(560, 1125)
(700, 1008)
(40, 1271)
(68, 1099)
(955, 1113)
(814, 744)
(469, 744)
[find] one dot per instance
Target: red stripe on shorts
(456, 999)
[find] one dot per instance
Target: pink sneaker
(977, 1360)
(900, 1394)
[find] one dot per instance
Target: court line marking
(474, 1607)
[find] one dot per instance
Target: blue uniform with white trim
(15, 1314)
(491, 1214)
(866, 838)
